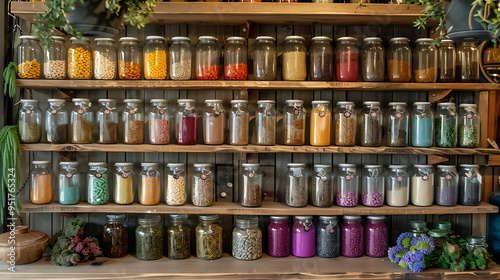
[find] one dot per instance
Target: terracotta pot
(29, 245)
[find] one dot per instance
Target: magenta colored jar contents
(278, 240)
(347, 66)
(348, 199)
(373, 199)
(352, 238)
(376, 238)
(303, 239)
(187, 131)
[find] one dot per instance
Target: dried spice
(328, 239)
(58, 134)
(149, 242)
(239, 130)
(294, 66)
(295, 133)
(133, 132)
(108, 133)
(41, 190)
(81, 132)
(446, 75)
(179, 237)
(468, 136)
(446, 132)
(446, 195)
(266, 134)
(399, 71)
(203, 192)
(468, 73)
(247, 244)
(115, 240)
(346, 131)
(427, 75)
(322, 192)
(29, 132)
(213, 132)
(296, 192)
(371, 132)
(150, 191)
(176, 190)
(209, 241)
(321, 66)
(159, 131)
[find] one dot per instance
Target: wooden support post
(479, 225)
(483, 108)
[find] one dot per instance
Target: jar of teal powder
(422, 125)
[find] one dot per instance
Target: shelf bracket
(438, 95)
(68, 92)
(245, 29)
(435, 159)
(65, 155)
(243, 94)
(69, 215)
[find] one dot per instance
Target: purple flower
(79, 247)
(404, 240)
(414, 261)
(423, 244)
(396, 253)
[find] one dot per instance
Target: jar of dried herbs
(264, 59)
(57, 121)
(247, 239)
(265, 122)
(133, 122)
(467, 62)
(397, 125)
(179, 237)
(294, 122)
(82, 121)
(322, 186)
(468, 126)
(149, 238)
(371, 122)
(250, 185)
(176, 191)
(345, 124)
(296, 189)
(115, 236)
(30, 121)
(447, 61)
(203, 188)
(98, 183)
(446, 125)
(238, 122)
(107, 121)
(209, 238)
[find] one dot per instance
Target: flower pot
(462, 28)
(94, 20)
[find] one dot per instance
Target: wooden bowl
(28, 246)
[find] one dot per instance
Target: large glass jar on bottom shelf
(149, 193)
(54, 65)
(155, 58)
(422, 185)
(469, 185)
(352, 237)
(207, 58)
(294, 59)
(346, 60)
(69, 183)
(133, 122)
(214, 122)
(250, 193)
(294, 122)
(247, 239)
(303, 237)
(397, 125)
(328, 237)
(176, 190)
(446, 61)
(105, 59)
(129, 59)
(107, 121)
(446, 125)
(371, 122)
(373, 186)
(203, 186)
(321, 123)
(425, 61)
(98, 183)
(41, 191)
(469, 126)
(57, 121)
(186, 119)
(347, 185)
(446, 187)
(79, 59)
(124, 183)
(159, 122)
(422, 125)
(397, 191)
(264, 59)
(399, 60)
(178, 237)
(376, 236)
(467, 62)
(29, 58)
(372, 60)
(477, 246)
(149, 237)
(82, 121)
(265, 122)
(238, 122)
(345, 124)
(296, 189)
(278, 237)
(115, 236)
(235, 59)
(209, 238)
(180, 58)
(321, 59)
(29, 121)
(322, 189)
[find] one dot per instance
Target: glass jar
(209, 238)
(371, 123)
(397, 125)
(97, 183)
(247, 239)
(418, 228)
(294, 59)
(397, 191)
(491, 55)
(296, 189)
(207, 58)
(373, 60)
(203, 187)
(303, 237)
(159, 122)
(264, 59)
(447, 61)
(149, 193)
(477, 245)
(265, 122)
(214, 122)
(56, 121)
(422, 185)
(321, 123)
(399, 60)
(235, 59)
(425, 61)
(133, 122)
(352, 237)
(179, 237)
(124, 183)
(238, 122)
(251, 180)
(129, 59)
(376, 236)
(187, 122)
(107, 121)
(470, 185)
(294, 122)
(105, 59)
(176, 191)
(82, 121)
(41, 183)
(467, 62)
(322, 189)
(278, 237)
(54, 65)
(346, 60)
(69, 182)
(345, 124)
(155, 58)
(446, 226)
(328, 237)
(180, 58)
(29, 58)
(347, 185)
(321, 59)
(439, 237)
(29, 121)
(422, 125)
(446, 125)
(469, 126)
(115, 236)
(446, 188)
(149, 238)
(372, 189)
(79, 59)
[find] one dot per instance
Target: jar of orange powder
(41, 183)
(150, 184)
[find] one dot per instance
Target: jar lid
(106, 100)
(104, 40)
(124, 164)
(347, 39)
(372, 39)
(398, 166)
(399, 39)
(150, 164)
(371, 103)
(59, 38)
(397, 104)
(352, 217)
(295, 101)
(320, 102)
(421, 103)
(129, 39)
(470, 165)
(202, 165)
(41, 162)
(373, 166)
(322, 165)
(29, 101)
(76, 39)
(345, 103)
(247, 218)
(80, 100)
(29, 37)
(447, 41)
(155, 38)
(213, 101)
(235, 38)
(418, 224)
(328, 218)
(303, 217)
(150, 217)
(238, 101)
(24, 237)
(98, 164)
(132, 101)
(424, 40)
(476, 239)
(446, 166)
(266, 101)
(300, 38)
(207, 38)
(56, 100)
(158, 101)
(179, 216)
(296, 164)
(250, 165)
(265, 38)
(209, 217)
(468, 105)
(114, 217)
(185, 101)
(321, 38)
(446, 104)
(438, 233)
(376, 217)
(279, 217)
(175, 39)
(443, 225)
(348, 165)
(68, 163)
(175, 164)
(422, 165)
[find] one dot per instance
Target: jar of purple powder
(278, 237)
(352, 237)
(376, 236)
(296, 189)
(187, 122)
(303, 237)
(372, 189)
(446, 186)
(397, 191)
(347, 185)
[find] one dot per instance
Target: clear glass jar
(180, 58)
(203, 187)
(265, 122)
(186, 118)
(82, 121)
(397, 125)
(446, 125)
(371, 122)
(467, 62)
(29, 58)
(207, 58)
(322, 189)
(105, 57)
(373, 60)
(176, 190)
(469, 185)
(294, 122)
(446, 188)
(422, 185)
(303, 237)
(347, 185)
(439, 236)
(352, 237)
(399, 60)
(149, 193)
(159, 122)
(373, 186)
(418, 228)
(57, 121)
(278, 237)
(264, 59)
(79, 59)
(328, 237)
(97, 183)
(41, 183)
(124, 183)
(54, 65)
(133, 121)
(321, 59)
(235, 59)
(107, 121)
(397, 191)
(238, 122)
(477, 245)
(376, 236)
(251, 180)
(29, 121)
(422, 125)
(214, 122)
(447, 61)
(321, 123)
(129, 59)
(345, 124)
(115, 236)
(294, 59)
(346, 60)
(296, 188)
(209, 238)
(179, 237)
(149, 238)
(469, 126)
(247, 239)
(425, 61)
(155, 58)
(69, 182)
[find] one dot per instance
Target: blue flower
(396, 253)
(423, 244)
(413, 261)
(404, 240)
(417, 266)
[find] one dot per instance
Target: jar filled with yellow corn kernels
(79, 59)
(129, 59)
(155, 58)
(29, 58)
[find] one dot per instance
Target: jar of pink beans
(372, 189)
(352, 237)
(376, 236)
(347, 185)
